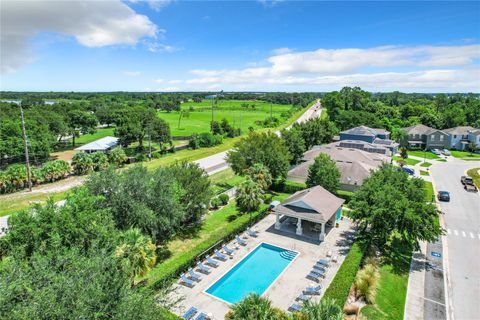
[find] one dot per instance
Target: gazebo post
(277, 223)
(322, 233)
(299, 227)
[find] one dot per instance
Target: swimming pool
(253, 274)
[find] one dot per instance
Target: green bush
(366, 282)
(341, 284)
(215, 203)
(224, 199)
(140, 157)
(100, 161)
(82, 163)
(117, 157)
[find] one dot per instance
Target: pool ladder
(287, 254)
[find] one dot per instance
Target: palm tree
(255, 307)
(137, 251)
(260, 174)
(326, 309)
(249, 196)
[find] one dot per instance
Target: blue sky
(240, 45)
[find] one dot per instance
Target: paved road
(462, 242)
(216, 162)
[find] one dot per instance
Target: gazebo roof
(314, 204)
(101, 144)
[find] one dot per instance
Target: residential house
(313, 206)
(423, 137)
(354, 164)
(460, 137)
(104, 144)
(378, 138)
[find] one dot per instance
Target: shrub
(100, 161)
(55, 170)
(117, 157)
(341, 284)
(366, 282)
(224, 199)
(215, 203)
(140, 157)
(82, 163)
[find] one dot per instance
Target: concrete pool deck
(288, 285)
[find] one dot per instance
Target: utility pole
(27, 161)
(213, 100)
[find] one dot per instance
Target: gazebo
(316, 205)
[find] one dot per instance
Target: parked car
(408, 170)
(468, 183)
(443, 196)
(446, 152)
(436, 151)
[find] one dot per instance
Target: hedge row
(343, 280)
(206, 248)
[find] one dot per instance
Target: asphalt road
(462, 242)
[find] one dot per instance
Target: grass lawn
(224, 180)
(465, 155)
(422, 154)
(424, 173)
(215, 227)
(410, 162)
(429, 196)
(87, 138)
(475, 175)
(426, 164)
(16, 202)
(199, 119)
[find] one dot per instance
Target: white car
(436, 151)
(446, 152)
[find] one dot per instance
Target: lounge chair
(202, 316)
(320, 267)
(203, 268)
(193, 275)
(228, 250)
(295, 307)
(212, 262)
(220, 255)
(302, 297)
(314, 276)
(190, 313)
(240, 241)
(329, 254)
(312, 290)
(186, 281)
(251, 233)
(320, 272)
(325, 262)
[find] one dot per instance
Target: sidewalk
(414, 304)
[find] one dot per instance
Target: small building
(309, 208)
(424, 137)
(460, 137)
(366, 146)
(104, 144)
(364, 133)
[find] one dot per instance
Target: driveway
(462, 242)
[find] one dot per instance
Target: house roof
(460, 130)
(313, 204)
(101, 144)
(365, 131)
(420, 129)
(354, 164)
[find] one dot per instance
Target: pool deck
(288, 285)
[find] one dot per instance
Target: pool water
(253, 274)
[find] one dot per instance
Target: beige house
(354, 164)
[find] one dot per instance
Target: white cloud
(132, 73)
(169, 89)
(91, 23)
(154, 46)
(158, 5)
(425, 68)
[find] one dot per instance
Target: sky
(167, 45)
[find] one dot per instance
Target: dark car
(408, 170)
(443, 196)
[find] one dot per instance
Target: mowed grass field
(198, 120)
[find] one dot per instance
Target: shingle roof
(460, 130)
(313, 204)
(101, 144)
(419, 129)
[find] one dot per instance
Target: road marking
(464, 234)
(434, 301)
(471, 235)
(456, 232)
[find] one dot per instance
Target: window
(432, 137)
(455, 136)
(441, 138)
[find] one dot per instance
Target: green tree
(472, 146)
(326, 309)
(294, 142)
(134, 124)
(249, 196)
(82, 163)
(137, 252)
(80, 122)
(160, 131)
(260, 175)
(117, 157)
(265, 148)
(324, 172)
(254, 306)
(390, 208)
(316, 131)
(403, 153)
(100, 160)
